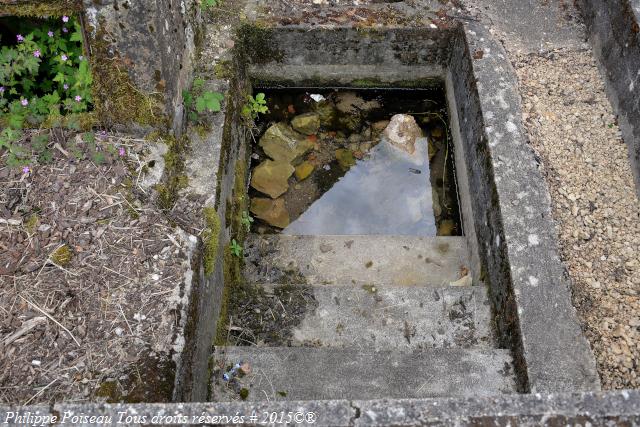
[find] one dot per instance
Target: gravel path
(573, 130)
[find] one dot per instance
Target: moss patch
(116, 99)
(40, 8)
(174, 178)
(223, 70)
(62, 256)
(257, 45)
(210, 239)
(151, 380)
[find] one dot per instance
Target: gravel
(573, 130)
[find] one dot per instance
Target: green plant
(246, 220)
(197, 100)
(236, 249)
(43, 77)
(255, 106)
(207, 4)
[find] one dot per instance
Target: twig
(51, 318)
(125, 319)
(40, 392)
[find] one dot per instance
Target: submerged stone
(308, 123)
(303, 170)
(345, 158)
(273, 212)
(402, 132)
(352, 103)
(282, 143)
(271, 177)
(326, 113)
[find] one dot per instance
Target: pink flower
(20, 38)
(64, 30)
(65, 18)
(78, 98)
(50, 33)
(121, 151)
(64, 57)
(26, 170)
(24, 102)
(65, 86)
(37, 54)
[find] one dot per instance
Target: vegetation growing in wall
(197, 101)
(44, 80)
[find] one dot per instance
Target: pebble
(593, 200)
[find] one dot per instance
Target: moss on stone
(174, 178)
(256, 44)
(62, 256)
(223, 70)
(116, 99)
(233, 281)
(40, 8)
(210, 239)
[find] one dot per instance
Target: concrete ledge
(612, 408)
(613, 28)
(512, 220)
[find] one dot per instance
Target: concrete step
(391, 317)
(359, 260)
(302, 373)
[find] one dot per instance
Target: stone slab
(280, 373)
(355, 260)
(396, 317)
(513, 224)
(619, 407)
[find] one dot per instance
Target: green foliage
(236, 249)
(207, 4)
(255, 106)
(209, 101)
(197, 101)
(246, 220)
(43, 77)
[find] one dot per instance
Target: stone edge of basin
(613, 29)
(516, 233)
(619, 407)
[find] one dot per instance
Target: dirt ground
(92, 278)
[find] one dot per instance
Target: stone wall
(613, 28)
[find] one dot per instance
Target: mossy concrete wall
(142, 54)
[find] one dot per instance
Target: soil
(91, 278)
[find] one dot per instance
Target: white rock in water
(402, 132)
